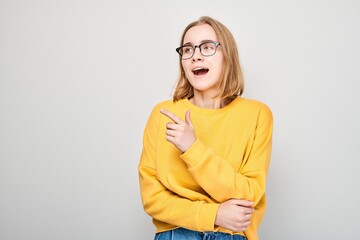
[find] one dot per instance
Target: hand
(234, 214)
(180, 133)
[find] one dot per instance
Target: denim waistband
(186, 234)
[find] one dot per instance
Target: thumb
(188, 118)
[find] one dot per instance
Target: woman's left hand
(180, 133)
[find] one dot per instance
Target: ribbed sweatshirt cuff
(195, 154)
(207, 216)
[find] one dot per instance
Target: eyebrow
(202, 41)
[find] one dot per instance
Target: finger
(188, 118)
(249, 211)
(247, 217)
(245, 210)
(246, 224)
(170, 139)
(171, 125)
(243, 202)
(170, 133)
(170, 115)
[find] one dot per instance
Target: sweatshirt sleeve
(213, 173)
(162, 204)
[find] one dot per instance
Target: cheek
(221, 66)
(186, 68)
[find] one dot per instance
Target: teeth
(196, 69)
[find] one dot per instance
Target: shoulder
(253, 107)
(251, 103)
(164, 104)
(168, 105)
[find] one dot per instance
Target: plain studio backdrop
(78, 80)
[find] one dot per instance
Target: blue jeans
(185, 234)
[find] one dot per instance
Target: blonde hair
(232, 80)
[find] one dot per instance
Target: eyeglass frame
(217, 44)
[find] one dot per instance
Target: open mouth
(200, 71)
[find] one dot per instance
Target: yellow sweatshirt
(229, 159)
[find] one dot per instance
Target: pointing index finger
(170, 115)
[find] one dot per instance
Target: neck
(207, 102)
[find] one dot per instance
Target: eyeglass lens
(206, 49)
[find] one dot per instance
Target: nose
(197, 55)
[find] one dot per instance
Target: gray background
(78, 79)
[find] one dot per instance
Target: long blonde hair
(232, 80)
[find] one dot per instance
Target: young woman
(206, 153)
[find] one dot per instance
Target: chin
(202, 85)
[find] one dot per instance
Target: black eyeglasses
(207, 49)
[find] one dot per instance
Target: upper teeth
(196, 69)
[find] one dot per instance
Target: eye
(208, 46)
(187, 49)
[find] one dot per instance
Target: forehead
(200, 33)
